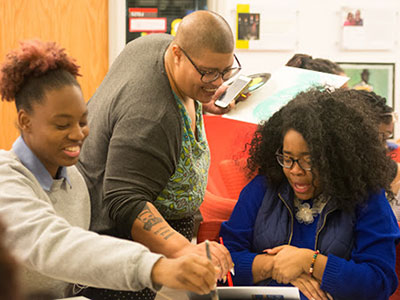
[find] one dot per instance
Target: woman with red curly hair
(44, 201)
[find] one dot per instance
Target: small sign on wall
(144, 19)
(147, 24)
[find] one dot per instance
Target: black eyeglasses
(210, 76)
(288, 162)
(387, 135)
(390, 117)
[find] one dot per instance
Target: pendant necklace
(305, 213)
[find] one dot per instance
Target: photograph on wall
(262, 27)
(248, 26)
(376, 77)
(367, 28)
(353, 18)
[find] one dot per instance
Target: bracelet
(314, 258)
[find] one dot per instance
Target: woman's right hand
(189, 272)
(221, 257)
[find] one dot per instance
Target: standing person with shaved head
(147, 158)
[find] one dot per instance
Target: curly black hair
(378, 105)
(304, 61)
(342, 136)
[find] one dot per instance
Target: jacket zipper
(291, 218)
(319, 230)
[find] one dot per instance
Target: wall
(80, 26)
(318, 34)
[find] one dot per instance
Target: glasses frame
(393, 114)
(218, 73)
(384, 136)
(279, 154)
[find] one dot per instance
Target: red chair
(214, 210)
(216, 207)
(234, 176)
(209, 230)
(227, 139)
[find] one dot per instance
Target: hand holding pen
(221, 257)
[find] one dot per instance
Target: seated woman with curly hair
(316, 216)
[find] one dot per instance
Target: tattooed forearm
(169, 235)
(164, 232)
(159, 229)
(148, 219)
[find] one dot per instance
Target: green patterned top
(185, 189)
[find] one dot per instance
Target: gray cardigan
(135, 136)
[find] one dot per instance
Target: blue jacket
(360, 247)
(337, 238)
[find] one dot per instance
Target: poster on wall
(260, 27)
(376, 77)
(368, 28)
(248, 26)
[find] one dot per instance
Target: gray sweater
(135, 136)
(47, 233)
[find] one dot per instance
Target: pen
(230, 282)
(213, 293)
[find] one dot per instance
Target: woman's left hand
(310, 287)
(288, 262)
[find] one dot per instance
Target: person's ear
(24, 120)
(176, 53)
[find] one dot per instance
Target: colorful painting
(376, 77)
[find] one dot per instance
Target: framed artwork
(376, 77)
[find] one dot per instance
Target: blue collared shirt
(30, 161)
(391, 146)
